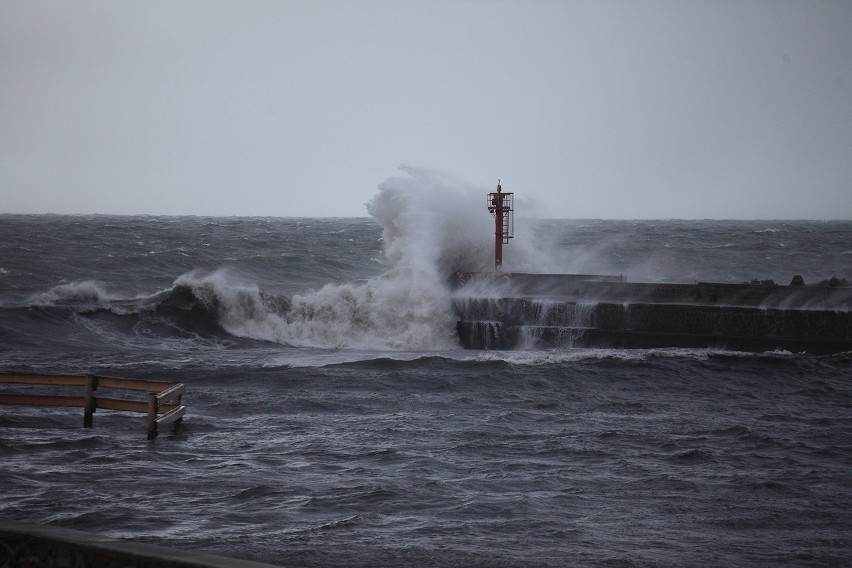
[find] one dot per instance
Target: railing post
(91, 402)
(152, 415)
(178, 402)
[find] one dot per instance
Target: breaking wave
(432, 226)
(86, 292)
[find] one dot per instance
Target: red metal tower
(500, 206)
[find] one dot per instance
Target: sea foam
(86, 292)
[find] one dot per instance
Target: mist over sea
(333, 419)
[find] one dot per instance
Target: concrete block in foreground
(25, 545)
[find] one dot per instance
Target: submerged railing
(163, 405)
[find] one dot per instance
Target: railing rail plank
(133, 384)
(29, 379)
(170, 417)
(170, 394)
(122, 404)
(163, 404)
(42, 400)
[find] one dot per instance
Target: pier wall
(576, 312)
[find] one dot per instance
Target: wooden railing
(162, 407)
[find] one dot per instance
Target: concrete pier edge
(544, 311)
(28, 545)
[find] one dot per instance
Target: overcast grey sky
(604, 109)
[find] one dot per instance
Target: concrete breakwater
(511, 311)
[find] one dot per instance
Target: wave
(73, 293)
(427, 235)
(524, 358)
(432, 226)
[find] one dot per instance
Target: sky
(601, 109)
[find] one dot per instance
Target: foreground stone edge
(30, 545)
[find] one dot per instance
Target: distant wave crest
(73, 293)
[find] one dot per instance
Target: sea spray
(429, 229)
(432, 226)
(87, 292)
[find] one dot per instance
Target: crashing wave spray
(432, 227)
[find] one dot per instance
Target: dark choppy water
(340, 425)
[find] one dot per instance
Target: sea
(334, 420)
